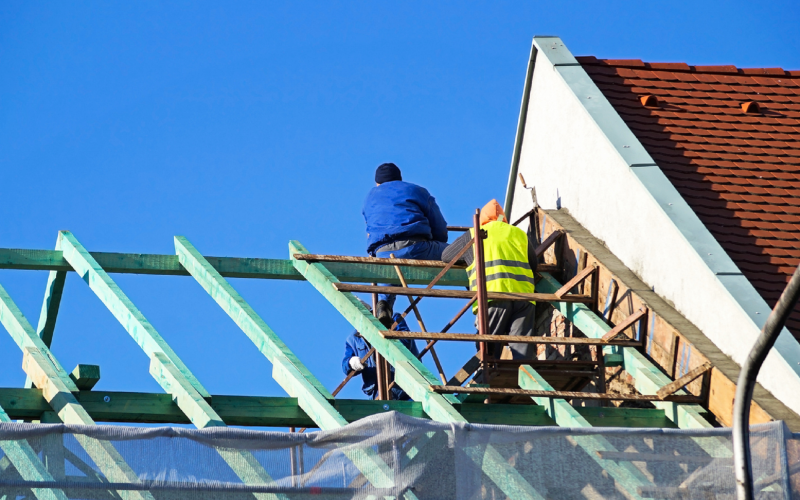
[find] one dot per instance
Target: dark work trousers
(507, 317)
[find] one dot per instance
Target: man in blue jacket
(356, 347)
(402, 219)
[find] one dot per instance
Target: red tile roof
(738, 170)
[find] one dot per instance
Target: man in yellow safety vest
(510, 261)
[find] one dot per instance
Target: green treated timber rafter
(627, 476)
(56, 386)
(121, 307)
(165, 366)
(410, 373)
(49, 313)
(28, 465)
(288, 370)
(229, 267)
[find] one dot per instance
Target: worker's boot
(384, 313)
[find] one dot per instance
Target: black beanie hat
(387, 172)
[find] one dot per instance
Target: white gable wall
(578, 153)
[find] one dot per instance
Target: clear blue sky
(242, 125)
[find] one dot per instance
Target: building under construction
(663, 202)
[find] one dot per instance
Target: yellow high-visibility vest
(505, 253)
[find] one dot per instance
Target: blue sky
(242, 125)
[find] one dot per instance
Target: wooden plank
(410, 373)
(121, 306)
(565, 415)
(629, 321)
(575, 281)
(548, 242)
(681, 382)
(85, 376)
(288, 371)
(502, 391)
(459, 294)
(229, 267)
(474, 337)
(262, 411)
(647, 377)
(28, 465)
(57, 394)
(372, 260)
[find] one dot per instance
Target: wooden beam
(372, 260)
(548, 242)
(24, 336)
(575, 281)
(165, 365)
(627, 323)
(681, 382)
(648, 379)
(28, 465)
(129, 316)
(85, 376)
(410, 373)
(565, 415)
(47, 374)
(288, 370)
(229, 267)
(474, 337)
(510, 391)
(57, 394)
(459, 294)
(262, 411)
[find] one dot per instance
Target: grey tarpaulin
(427, 459)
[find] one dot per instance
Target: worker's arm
(349, 352)
(453, 248)
(436, 220)
(402, 326)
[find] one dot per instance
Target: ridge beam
(626, 475)
(288, 370)
(27, 463)
(410, 373)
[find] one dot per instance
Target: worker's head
(491, 212)
(387, 172)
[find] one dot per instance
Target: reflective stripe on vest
(505, 252)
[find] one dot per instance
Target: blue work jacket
(356, 345)
(398, 210)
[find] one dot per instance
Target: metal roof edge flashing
(662, 191)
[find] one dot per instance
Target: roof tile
(739, 172)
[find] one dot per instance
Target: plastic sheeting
(388, 456)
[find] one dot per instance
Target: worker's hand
(356, 364)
